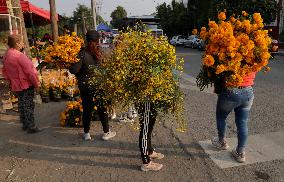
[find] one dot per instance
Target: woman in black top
(90, 56)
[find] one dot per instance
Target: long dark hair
(94, 48)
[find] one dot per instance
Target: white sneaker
(109, 135)
(152, 166)
(125, 120)
(87, 136)
(239, 157)
(113, 116)
(156, 155)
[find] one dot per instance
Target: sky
(133, 7)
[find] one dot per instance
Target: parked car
(115, 32)
(196, 42)
(177, 40)
(191, 41)
(201, 45)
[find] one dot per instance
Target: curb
(279, 54)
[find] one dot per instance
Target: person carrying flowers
(142, 70)
(91, 56)
(237, 48)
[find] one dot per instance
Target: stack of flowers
(65, 51)
(58, 83)
(236, 47)
(142, 68)
(72, 116)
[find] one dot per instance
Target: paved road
(58, 154)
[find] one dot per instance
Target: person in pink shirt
(23, 78)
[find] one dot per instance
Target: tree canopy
(267, 8)
(177, 19)
(117, 15)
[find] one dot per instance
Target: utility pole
(17, 9)
(84, 24)
(94, 13)
(53, 18)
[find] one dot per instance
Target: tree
(87, 15)
(117, 17)
(267, 8)
(53, 18)
(178, 19)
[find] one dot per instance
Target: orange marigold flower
(265, 56)
(203, 29)
(244, 13)
(194, 31)
(208, 60)
(222, 56)
(222, 16)
(213, 24)
(220, 68)
(232, 19)
(257, 18)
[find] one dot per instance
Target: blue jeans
(239, 100)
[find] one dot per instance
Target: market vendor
(19, 70)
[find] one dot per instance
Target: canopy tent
(32, 14)
(103, 27)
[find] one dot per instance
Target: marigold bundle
(235, 48)
(65, 51)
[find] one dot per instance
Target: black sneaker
(34, 130)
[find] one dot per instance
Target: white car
(191, 41)
(178, 40)
(115, 32)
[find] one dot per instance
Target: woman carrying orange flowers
(236, 49)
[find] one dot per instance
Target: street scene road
(59, 154)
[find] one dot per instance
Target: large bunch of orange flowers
(65, 51)
(236, 47)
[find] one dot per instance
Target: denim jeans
(239, 100)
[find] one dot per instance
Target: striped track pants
(147, 122)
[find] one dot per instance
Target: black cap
(92, 35)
